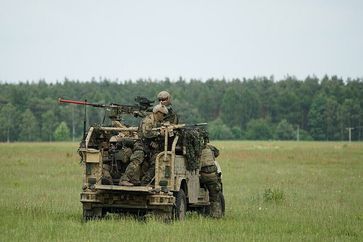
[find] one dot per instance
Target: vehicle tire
(87, 214)
(92, 214)
(180, 206)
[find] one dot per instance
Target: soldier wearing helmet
(148, 147)
(154, 120)
(119, 153)
(165, 99)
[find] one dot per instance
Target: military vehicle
(174, 190)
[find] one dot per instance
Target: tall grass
(273, 191)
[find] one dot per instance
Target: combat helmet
(164, 98)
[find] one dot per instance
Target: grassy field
(286, 191)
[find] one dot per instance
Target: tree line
(256, 109)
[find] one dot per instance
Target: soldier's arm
(147, 130)
(214, 149)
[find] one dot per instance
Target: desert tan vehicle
(174, 190)
(176, 186)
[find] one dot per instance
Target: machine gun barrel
(142, 105)
(61, 100)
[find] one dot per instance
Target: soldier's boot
(215, 210)
(131, 175)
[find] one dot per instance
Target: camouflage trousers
(211, 181)
(139, 167)
(114, 169)
(133, 170)
(148, 170)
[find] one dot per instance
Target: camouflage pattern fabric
(133, 170)
(212, 182)
(209, 178)
(214, 149)
(147, 124)
(193, 142)
(141, 151)
(124, 155)
(171, 117)
(115, 165)
(106, 178)
(149, 173)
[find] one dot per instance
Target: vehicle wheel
(87, 214)
(180, 206)
(94, 213)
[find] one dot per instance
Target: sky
(201, 39)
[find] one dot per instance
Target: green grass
(286, 191)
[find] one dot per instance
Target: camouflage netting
(193, 140)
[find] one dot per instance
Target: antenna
(85, 120)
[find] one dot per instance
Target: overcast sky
(189, 38)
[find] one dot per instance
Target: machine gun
(140, 109)
(142, 106)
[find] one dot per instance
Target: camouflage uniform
(116, 163)
(132, 173)
(164, 98)
(172, 116)
(145, 149)
(210, 179)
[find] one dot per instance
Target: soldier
(165, 99)
(148, 147)
(119, 158)
(209, 177)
